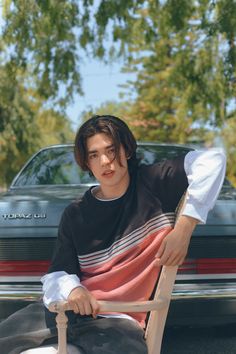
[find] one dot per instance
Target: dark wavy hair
(114, 128)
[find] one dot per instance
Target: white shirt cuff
(58, 285)
(205, 171)
(196, 211)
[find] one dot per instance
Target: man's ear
(89, 170)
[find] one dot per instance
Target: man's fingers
(76, 308)
(164, 259)
(95, 307)
(82, 301)
(160, 252)
(161, 249)
(167, 254)
(88, 307)
(170, 260)
(173, 259)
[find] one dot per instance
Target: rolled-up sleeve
(205, 172)
(58, 285)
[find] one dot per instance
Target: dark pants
(34, 325)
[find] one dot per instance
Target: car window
(56, 165)
(149, 154)
(53, 166)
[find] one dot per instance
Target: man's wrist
(186, 224)
(80, 286)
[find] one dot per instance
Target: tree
(229, 138)
(118, 109)
(25, 124)
(184, 70)
(39, 37)
(184, 53)
(48, 36)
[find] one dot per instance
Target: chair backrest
(157, 319)
(158, 306)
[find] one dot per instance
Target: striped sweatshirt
(111, 245)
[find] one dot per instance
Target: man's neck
(113, 192)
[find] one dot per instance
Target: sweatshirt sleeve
(205, 172)
(65, 255)
(63, 274)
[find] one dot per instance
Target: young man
(112, 243)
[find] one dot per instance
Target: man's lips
(108, 173)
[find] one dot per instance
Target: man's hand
(83, 302)
(174, 247)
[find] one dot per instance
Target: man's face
(103, 164)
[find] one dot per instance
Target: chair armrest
(116, 306)
(60, 307)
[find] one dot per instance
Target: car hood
(227, 193)
(38, 210)
(36, 193)
(40, 207)
(221, 219)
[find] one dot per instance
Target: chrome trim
(180, 277)
(181, 291)
(20, 292)
(204, 290)
(205, 276)
(20, 279)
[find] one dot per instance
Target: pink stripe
(151, 242)
(156, 222)
(130, 276)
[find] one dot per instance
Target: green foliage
(47, 37)
(184, 80)
(25, 125)
(17, 133)
(41, 38)
(229, 138)
(182, 51)
(118, 109)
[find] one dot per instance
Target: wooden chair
(158, 307)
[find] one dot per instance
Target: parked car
(205, 289)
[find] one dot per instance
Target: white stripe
(157, 220)
(167, 218)
(122, 247)
(128, 241)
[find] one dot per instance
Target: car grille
(26, 249)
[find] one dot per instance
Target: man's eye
(92, 156)
(111, 151)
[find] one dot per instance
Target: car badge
(18, 216)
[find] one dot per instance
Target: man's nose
(104, 159)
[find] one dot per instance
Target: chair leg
(62, 320)
(157, 320)
(154, 340)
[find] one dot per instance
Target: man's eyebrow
(110, 146)
(106, 148)
(92, 151)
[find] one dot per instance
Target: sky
(100, 83)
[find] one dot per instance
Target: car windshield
(57, 166)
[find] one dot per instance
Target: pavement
(204, 340)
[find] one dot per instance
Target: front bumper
(192, 303)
